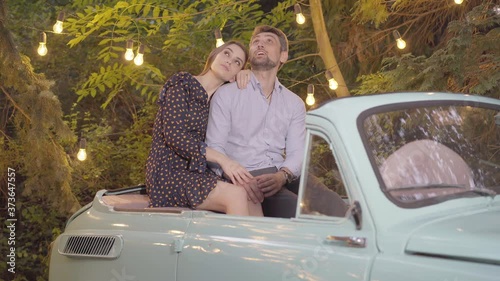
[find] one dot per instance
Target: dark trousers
(283, 204)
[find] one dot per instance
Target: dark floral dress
(176, 170)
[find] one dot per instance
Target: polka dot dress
(176, 170)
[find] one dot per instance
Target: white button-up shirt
(255, 133)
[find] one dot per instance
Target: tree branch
(15, 104)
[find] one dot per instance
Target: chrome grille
(104, 246)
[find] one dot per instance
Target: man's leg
(281, 205)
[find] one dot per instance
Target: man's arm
(219, 121)
(295, 140)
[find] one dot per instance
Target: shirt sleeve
(296, 139)
(219, 121)
(174, 106)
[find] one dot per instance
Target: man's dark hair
(281, 36)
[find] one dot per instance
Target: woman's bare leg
(255, 209)
(230, 199)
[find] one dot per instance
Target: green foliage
(181, 28)
(468, 63)
(115, 159)
(37, 225)
(369, 10)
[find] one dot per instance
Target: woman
(176, 169)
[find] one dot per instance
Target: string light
(299, 17)
(129, 53)
(42, 47)
(139, 58)
(458, 2)
(310, 100)
(218, 38)
(82, 153)
(58, 26)
(332, 83)
(399, 41)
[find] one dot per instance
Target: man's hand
(254, 193)
(270, 184)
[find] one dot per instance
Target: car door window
(324, 192)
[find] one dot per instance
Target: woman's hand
(235, 172)
(242, 78)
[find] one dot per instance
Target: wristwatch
(288, 176)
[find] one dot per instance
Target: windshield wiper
(483, 191)
(427, 186)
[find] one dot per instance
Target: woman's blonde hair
(216, 51)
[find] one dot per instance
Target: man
(263, 125)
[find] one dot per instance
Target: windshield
(425, 155)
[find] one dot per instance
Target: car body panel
(465, 236)
(456, 239)
(275, 249)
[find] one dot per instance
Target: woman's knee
(232, 191)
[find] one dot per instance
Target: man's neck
(266, 78)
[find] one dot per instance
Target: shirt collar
(256, 84)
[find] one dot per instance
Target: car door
(323, 242)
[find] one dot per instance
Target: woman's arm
(234, 171)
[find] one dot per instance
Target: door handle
(350, 241)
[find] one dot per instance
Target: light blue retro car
(417, 173)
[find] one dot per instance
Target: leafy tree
(32, 143)
(467, 63)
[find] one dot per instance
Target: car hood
(473, 237)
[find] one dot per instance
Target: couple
(248, 129)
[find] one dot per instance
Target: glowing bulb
(139, 58)
(458, 2)
(401, 43)
(42, 48)
(332, 83)
(218, 38)
(299, 17)
(129, 53)
(82, 154)
(310, 100)
(219, 42)
(58, 26)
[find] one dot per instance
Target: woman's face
(229, 62)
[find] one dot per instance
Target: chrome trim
(350, 241)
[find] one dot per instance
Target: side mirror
(357, 214)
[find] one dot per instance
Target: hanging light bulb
(310, 100)
(218, 38)
(458, 2)
(42, 48)
(332, 83)
(299, 17)
(129, 53)
(399, 41)
(58, 26)
(139, 58)
(82, 153)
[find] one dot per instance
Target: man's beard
(266, 64)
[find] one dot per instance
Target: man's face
(265, 51)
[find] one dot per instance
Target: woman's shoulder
(179, 77)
